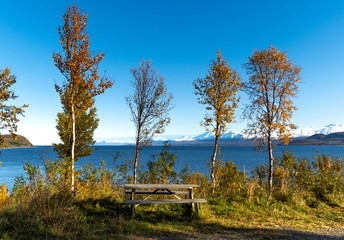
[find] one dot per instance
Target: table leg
(132, 205)
(197, 208)
(191, 197)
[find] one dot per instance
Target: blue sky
(180, 37)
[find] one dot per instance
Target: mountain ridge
(336, 138)
(229, 137)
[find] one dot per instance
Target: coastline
(33, 146)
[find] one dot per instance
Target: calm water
(196, 156)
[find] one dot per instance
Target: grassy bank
(107, 218)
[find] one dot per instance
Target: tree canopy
(82, 81)
(149, 105)
(9, 113)
(218, 92)
(86, 124)
(272, 85)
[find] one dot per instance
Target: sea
(196, 156)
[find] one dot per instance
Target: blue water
(196, 156)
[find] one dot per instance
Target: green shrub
(329, 176)
(160, 169)
(230, 181)
(123, 170)
(260, 173)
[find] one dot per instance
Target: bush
(197, 178)
(3, 195)
(160, 169)
(329, 175)
(96, 182)
(260, 173)
(230, 181)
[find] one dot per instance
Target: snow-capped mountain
(158, 139)
(184, 139)
(207, 136)
(306, 132)
(231, 136)
(204, 136)
(111, 141)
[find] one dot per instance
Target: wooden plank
(165, 201)
(159, 192)
(160, 186)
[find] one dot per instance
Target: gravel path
(244, 234)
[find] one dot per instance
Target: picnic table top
(160, 186)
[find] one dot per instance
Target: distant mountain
(306, 132)
(230, 137)
(20, 142)
(114, 142)
(321, 139)
(211, 136)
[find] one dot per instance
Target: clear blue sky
(180, 37)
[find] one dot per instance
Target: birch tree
(80, 70)
(218, 92)
(85, 125)
(149, 106)
(271, 88)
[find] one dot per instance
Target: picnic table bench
(163, 189)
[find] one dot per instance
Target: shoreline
(33, 146)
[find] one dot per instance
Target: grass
(107, 218)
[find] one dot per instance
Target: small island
(21, 142)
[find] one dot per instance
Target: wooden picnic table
(162, 189)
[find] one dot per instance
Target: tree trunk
(212, 170)
(73, 149)
(137, 153)
(136, 160)
(271, 160)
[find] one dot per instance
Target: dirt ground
(244, 234)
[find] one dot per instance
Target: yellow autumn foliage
(9, 113)
(272, 85)
(3, 194)
(218, 92)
